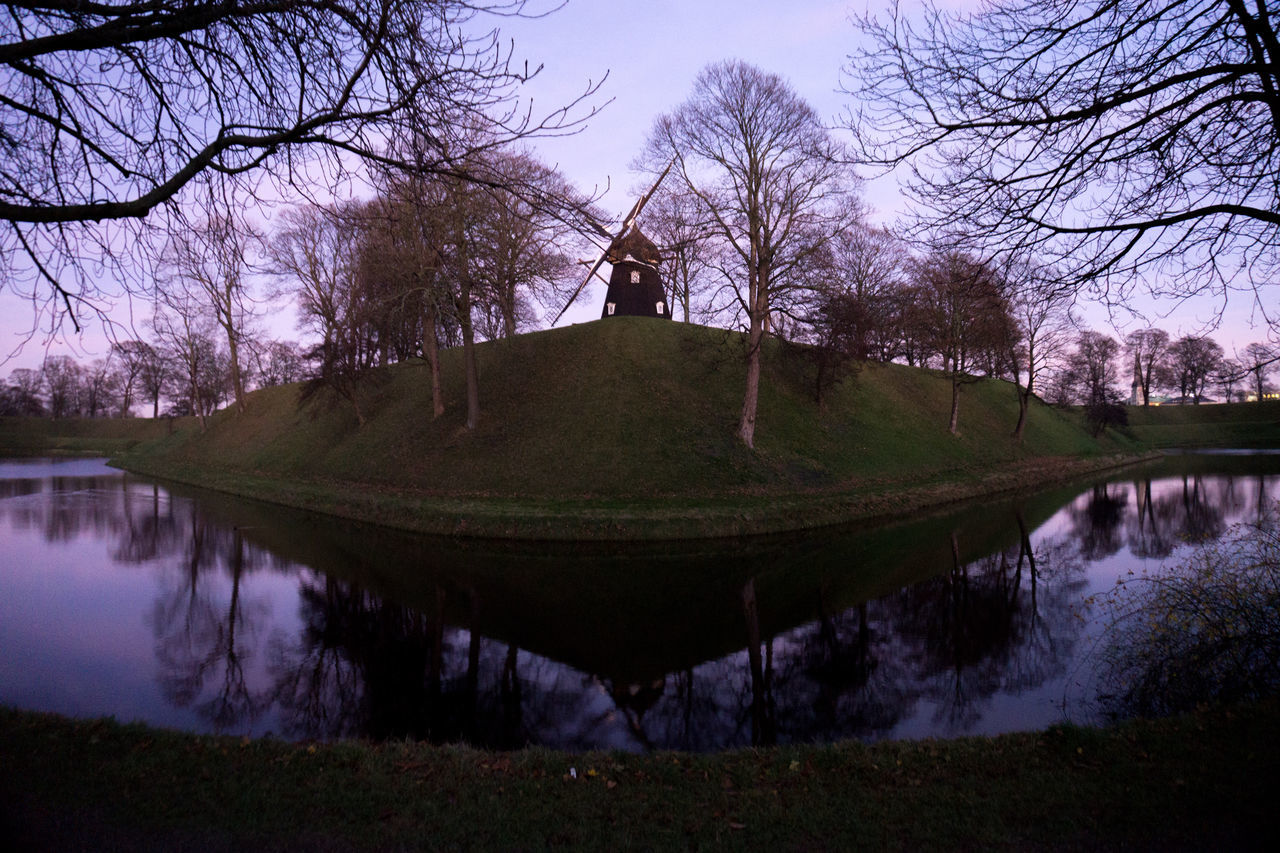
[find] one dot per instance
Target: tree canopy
(1122, 141)
(110, 112)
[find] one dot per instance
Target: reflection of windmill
(635, 288)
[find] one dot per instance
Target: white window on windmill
(635, 276)
(660, 307)
(611, 306)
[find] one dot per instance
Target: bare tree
(110, 111)
(1226, 376)
(154, 375)
(1192, 360)
(870, 264)
(61, 376)
(1093, 370)
(1258, 360)
(1128, 143)
(1149, 349)
(1041, 317)
(406, 244)
(672, 218)
(313, 252)
(22, 396)
(280, 363)
(184, 330)
(210, 261)
(768, 178)
(966, 315)
(525, 244)
(132, 360)
(101, 389)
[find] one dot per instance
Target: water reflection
(263, 619)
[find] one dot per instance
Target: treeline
(428, 263)
(137, 376)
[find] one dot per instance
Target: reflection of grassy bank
(603, 519)
(1205, 780)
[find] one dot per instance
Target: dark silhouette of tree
(100, 389)
(22, 394)
(1259, 360)
(963, 312)
(1127, 144)
(184, 331)
(673, 221)
(111, 111)
(280, 363)
(1192, 360)
(61, 376)
(1041, 317)
(209, 261)
(1093, 370)
(133, 359)
(1226, 376)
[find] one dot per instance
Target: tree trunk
(237, 381)
(469, 357)
(431, 352)
(758, 290)
(751, 399)
(1024, 403)
(954, 425)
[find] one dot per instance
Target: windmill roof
(635, 245)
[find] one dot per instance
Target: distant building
(1135, 390)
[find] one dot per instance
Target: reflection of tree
(205, 628)
(371, 667)
(1165, 517)
(1096, 524)
(146, 533)
(1203, 629)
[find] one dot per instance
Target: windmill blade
(594, 267)
(630, 221)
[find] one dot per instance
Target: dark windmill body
(635, 288)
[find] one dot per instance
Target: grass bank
(1252, 425)
(80, 436)
(1204, 781)
(626, 429)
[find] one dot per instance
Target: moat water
(124, 597)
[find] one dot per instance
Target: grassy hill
(1210, 425)
(611, 418)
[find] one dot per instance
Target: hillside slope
(628, 409)
(1255, 425)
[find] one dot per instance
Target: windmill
(635, 288)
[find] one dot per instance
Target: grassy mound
(628, 408)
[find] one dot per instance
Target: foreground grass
(1206, 780)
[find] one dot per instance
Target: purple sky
(652, 52)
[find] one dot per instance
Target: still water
(126, 597)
